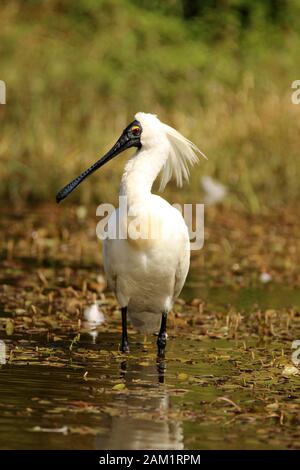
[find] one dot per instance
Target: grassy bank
(76, 72)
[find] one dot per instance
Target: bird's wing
(182, 269)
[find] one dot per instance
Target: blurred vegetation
(218, 70)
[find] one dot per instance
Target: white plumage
(148, 273)
(147, 262)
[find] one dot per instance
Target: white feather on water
(93, 315)
(93, 318)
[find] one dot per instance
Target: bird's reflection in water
(143, 422)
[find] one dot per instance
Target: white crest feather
(183, 154)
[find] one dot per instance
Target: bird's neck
(140, 173)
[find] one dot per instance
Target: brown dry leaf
(9, 328)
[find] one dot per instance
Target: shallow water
(208, 393)
(246, 298)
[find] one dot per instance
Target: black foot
(161, 344)
(124, 348)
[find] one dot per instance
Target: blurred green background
(218, 70)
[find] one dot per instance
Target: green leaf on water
(182, 377)
(119, 387)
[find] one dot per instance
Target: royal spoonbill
(148, 266)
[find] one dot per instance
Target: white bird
(146, 264)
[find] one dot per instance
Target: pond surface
(210, 392)
(228, 381)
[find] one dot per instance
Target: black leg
(124, 341)
(162, 336)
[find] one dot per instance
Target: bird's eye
(135, 130)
